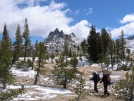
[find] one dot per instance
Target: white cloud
(81, 29)
(77, 12)
(89, 11)
(127, 28)
(41, 19)
(127, 18)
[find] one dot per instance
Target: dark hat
(94, 73)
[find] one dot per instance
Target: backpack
(107, 78)
(97, 77)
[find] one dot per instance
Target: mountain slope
(55, 41)
(130, 45)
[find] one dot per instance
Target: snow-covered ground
(35, 92)
(38, 92)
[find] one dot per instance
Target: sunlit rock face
(56, 39)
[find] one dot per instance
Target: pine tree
(26, 36)
(41, 59)
(125, 87)
(102, 55)
(105, 40)
(93, 42)
(84, 46)
(63, 75)
(122, 45)
(74, 62)
(36, 47)
(128, 55)
(17, 45)
(33, 56)
(80, 90)
(5, 58)
(117, 50)
(111, 51)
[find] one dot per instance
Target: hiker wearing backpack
(95, 79)
(106, 81)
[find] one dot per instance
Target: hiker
(95, 79)
(106, 81)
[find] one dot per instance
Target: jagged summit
(55, 41)
(56, 32)
(72, 34)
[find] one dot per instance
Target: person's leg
(95, 87)
(107, 91)
(105, 88)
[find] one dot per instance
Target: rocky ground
(91, 96)
(86, 73)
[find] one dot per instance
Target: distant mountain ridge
(130, 43)
(130, 37)
(55, 41)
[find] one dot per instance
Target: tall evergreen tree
(17, 44)
(33, 56)
(36, 47)
(111, 51)
(122, 45)
(5, 58)
(117, 50)
(84, 47)
(93, 42)
(26, 36)
(41, 59)
(105, 40)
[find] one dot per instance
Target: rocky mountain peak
(72, 35)
(56, 32)
(130, 37)
(55, 41)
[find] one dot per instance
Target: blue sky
(67, 15)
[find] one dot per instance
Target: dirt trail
(86, 71)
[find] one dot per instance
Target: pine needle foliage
(5, 59)
(26, 37)
(8, 95)
(125, 88)
(63, 75)
(41, 59)
(80, 90)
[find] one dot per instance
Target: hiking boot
(108, 94)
